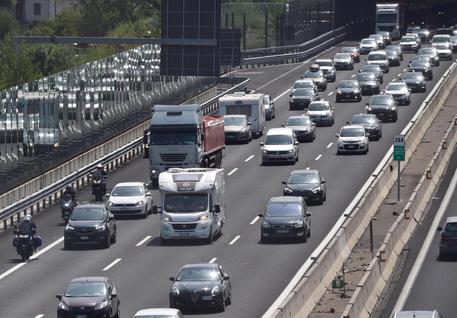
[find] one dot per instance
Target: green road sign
(399, 148)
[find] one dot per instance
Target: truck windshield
(386, 18)
(173, 138)
(186, 202)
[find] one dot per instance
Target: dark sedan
(368, 83)
(301, 97)
(201, 285)
(384, 107)
(423, 67)
(89, 297)
(308, 184)
(415, 81)
(348, 90)
(90, 224)
(375, 69)
(371, 123)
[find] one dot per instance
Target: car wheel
(263, 239)
(303, 238)
(107, 242)
(210, 237)
(309, 233)
(222, 305)
(118, 312)
(114, 237)
(67, 245)
(359, 98)
(338, 152)
(325, 196)
(228, 301)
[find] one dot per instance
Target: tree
(8, 23)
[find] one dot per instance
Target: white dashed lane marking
(318, 157)
(213, 260)
(112, 264)
(330, 94)
(329, 145)
(143, 241)
(249, 158)
(255, 220)
(232, 172)
(234, 240)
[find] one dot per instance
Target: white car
(343, 61)
(352, 139)
(158, 313)
(409, 43)
(130, 198)
(379, 58)
(280, 145)
(367, 45)
(439, 39)
(321, 113)
(400, 92)
(417, 314)
(444, 51)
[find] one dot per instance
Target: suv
(280, 145)
(448, 238)
(286, 217)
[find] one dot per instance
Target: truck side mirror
(217, 208)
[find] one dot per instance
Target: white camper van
(251, 105)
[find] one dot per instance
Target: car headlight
(167, 219)
(266, 225)
(63, 306)
(299, 224)
(290, 151)
(288, 190)
(215, 291)
(110, 204)
(316, 190)
(100, 227)
(203, 218)
(101, 304)
(393, 108)
(140, 203)
(338, 92)
(264, 150)
(175, 290)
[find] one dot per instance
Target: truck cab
(192, 204)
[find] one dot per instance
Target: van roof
(280, 131)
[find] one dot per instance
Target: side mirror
(302, 76)
(440, 228)
(107, 195)
(260, 215)
(249, 123)
(323, 181)
(332, 108)
(313, 124)
(226, 277)
(337, 135)
(262, 143)
(272, 103)
(308, 214)
(59, 296)
(290, 95)
(171, 278)
(367, 104)
(367, 134)
(110, 216)
(148, 194)
(348, 122)
(284, 182)
(113, 295)
(282, 125)
(217, 208)
(296, 143)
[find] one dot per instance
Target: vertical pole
(244, 30)
(266, 28)
(371, 238)
(226, 20)
(398, 181)
(233, 20)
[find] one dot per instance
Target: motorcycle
(98, 186)
(24, 245)
(67, 205)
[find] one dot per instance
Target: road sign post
(399, 155)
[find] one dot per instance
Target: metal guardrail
(49, 194)
(293, 52)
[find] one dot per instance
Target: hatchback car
(90, 224)
(303, 83)
(400, 92)
(130, 198)
(321, 113)
(352, 139)
(201, 286)
(89, 297)
(354, 51)
(448, 238)
(367, 45)
(423, 67)
(444, 51)
(237, 128)
(432, 53)
(280, 145)
(379, 58)
(383, 106)
(326, 65)
(379, 40)
(417, 314)
(371, 123)
(415, 81)
(396, 48)
(158, 313)
(375, 69)
(317, 76)
(308, 184)
(393, 57)
(369, 83)
(348, 90)
(409, 43)
(304, 128)
(343, 61)
(286, 217)
(270, 111)
(301, 97)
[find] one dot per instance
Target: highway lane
(259, 272)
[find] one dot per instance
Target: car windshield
(304, 92)
(363, 120)
(371, 68)
(352, 132)
(295, 121)
(427, 50)
(381, 100)
(418, 64)
(395, 86)
(451, 227)
(303, 84)
(185, 202)
(173, 138)
(283, 209)
(278, 140)
(413, 76)
(368, 41)
(234, 121)
(310, 74)
(301, 178)
(324, 63)
(347, 84)
(440, 39)
(408, 39)
(342, 56)
(86, 289)
(366, 77)
(412, 29)
(421, 57)
(391, 53)
(198, 274)
(127, 191)
(393, 48)
(347, 49)
(87, 214)
(318, 107)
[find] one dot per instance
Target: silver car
(304, 128)
(432, 53)
(237, 128)
(352, 139)
(367, 45)
(400, 92)
(321, 113)
(130, 198)
(343, 61)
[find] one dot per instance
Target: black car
(286, 217)
(348, 90)
(383, 106)
(301, 97)
(370, 122)
(375, 69)
(423, 67)
(89, 224)
(89, 297)
(308, 184)
(393, 57)
(201, 285)
(415, 81)
(396, 48)
(369, 83)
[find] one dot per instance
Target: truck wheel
(210, 238)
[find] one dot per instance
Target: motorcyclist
(71, 191)
(26, 227)
(100, 171)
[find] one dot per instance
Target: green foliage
(8, 23)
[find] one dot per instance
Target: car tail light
(445, 237)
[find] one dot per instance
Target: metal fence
(47, 121)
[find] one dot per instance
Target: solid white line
(143, 241)
(234, 240)
(318, 157)
(409, 284)
(353, 75)
(232, 172)
(281, 95)
(255, 220)
(329, 145)
(249, 158)
(112, 264)
(39, 316)
(330, 94)
(213, 260)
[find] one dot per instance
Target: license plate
(207, 297)
(381, 115)
(282, 231)
(83, 238)
(351, 147)
(184, 234)
(81, 316)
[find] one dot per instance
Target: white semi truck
(389, 17)
(193, 205)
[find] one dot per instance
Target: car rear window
(451, 227)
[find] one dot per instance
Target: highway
(259, 272)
